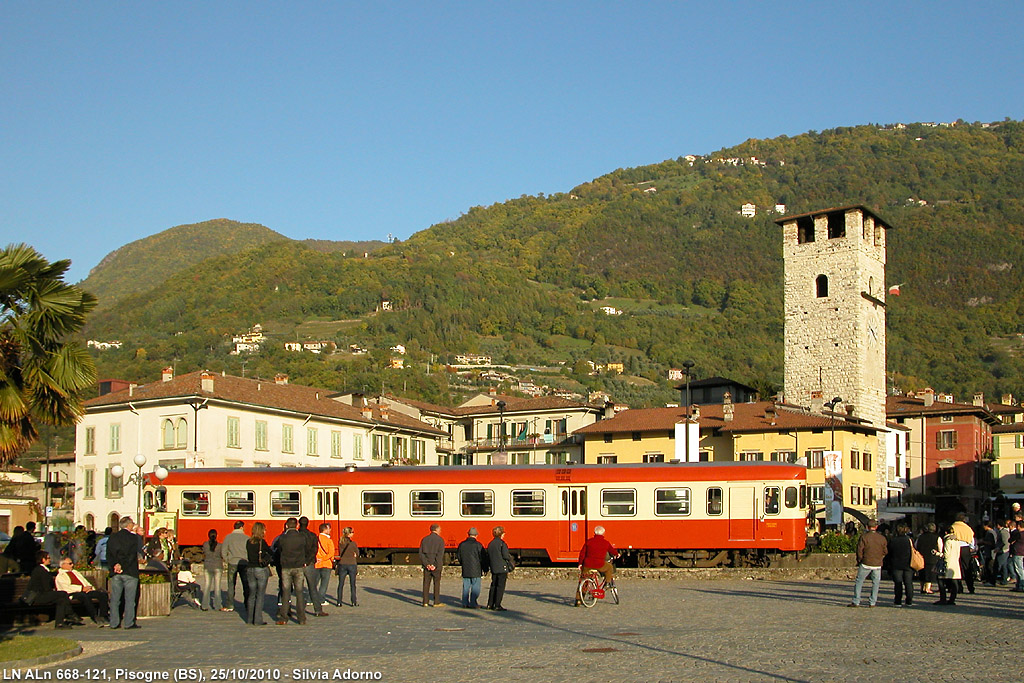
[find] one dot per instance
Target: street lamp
(687, 371)
(501, 426)
(832, 408)
(138, 479)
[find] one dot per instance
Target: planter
(97, 577)
(154, 600)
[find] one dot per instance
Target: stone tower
(835, 310)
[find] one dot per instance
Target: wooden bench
(15, 612)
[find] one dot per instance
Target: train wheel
(587, 587)
(643, 560)
(614, 593)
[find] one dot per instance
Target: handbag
(916, 559)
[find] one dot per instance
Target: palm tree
(42, 373)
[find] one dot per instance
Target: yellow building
(759, 431)
(1008, 449)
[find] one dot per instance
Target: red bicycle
(592, 587)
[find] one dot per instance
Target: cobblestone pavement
(724, 630)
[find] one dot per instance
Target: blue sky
(350, 121)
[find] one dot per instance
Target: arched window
(167, 431)
(181, 433)
(90, 522)
(821, 286)
(114, 522)
(871, 286)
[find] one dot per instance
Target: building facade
(206, 420)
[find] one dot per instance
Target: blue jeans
(876, 578)
(348, 570)
(470, 591)
(122, 585)
(323, 576)
(211, 586)
(292, 581)
(1003, 567)
(257, 578)
(1017, 569)
(312, 576)
(237, 571)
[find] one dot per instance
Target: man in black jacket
(471, 556)
(309, 571)
(123, 551)
(43, 591)
(501, 564)
(292, 545)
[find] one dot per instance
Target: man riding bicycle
(596, 554)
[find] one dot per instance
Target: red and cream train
(696, 514)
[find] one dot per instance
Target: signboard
(833, 487)
(687, 438)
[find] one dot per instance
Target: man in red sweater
(596, 553)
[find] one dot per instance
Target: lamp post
(687, 370)
(832, 409)
(501, 426)
(138, 479)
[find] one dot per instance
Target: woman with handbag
(257, 573)
(347, 564)
(901, 551)
(930, 545)
(949, 569)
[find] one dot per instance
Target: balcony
(513, 443)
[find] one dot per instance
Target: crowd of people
(952, 559)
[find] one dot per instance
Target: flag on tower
(895, 289)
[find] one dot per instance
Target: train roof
(333, 476)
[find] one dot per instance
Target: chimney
(491, 391)
(167, 374)
(609, 410)
(979, 398)
(206, 381)
(131, 389)
(929, 398)
(280, 378)
(728, 409)
(384, 411)
(367, 412)
(695, 413)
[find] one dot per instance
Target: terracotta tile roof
(907, 406)
(423, 406)
(1012, 428)
(515, 404)
(747, 417)
(256, 392)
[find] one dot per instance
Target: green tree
(42, 373)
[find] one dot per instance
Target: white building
(748, 210)
(207, 420)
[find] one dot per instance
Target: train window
(671, 502)
(240, 503)
(565, 503)
(195, 503)
(714, 501)
(790, 496)
(528, 503)
(378, 503)
(618, 502)
(425, 503)
(803, 495)
(771, 500)
(477, 503)
(285, 504)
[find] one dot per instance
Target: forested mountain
(523, 280)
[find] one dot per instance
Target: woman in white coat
(948, 579)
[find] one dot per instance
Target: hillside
(144, 264)
(523, 280)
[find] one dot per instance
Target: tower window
(804, 229)
(836, 225)
(821, 286)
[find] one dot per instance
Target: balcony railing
(521, 443)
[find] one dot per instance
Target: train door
(326, 508)
(741, 513)
(572, 521)
(769, 527)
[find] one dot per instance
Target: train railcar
(694, 514)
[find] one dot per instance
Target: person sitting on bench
(43, 591)
(81, 592)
